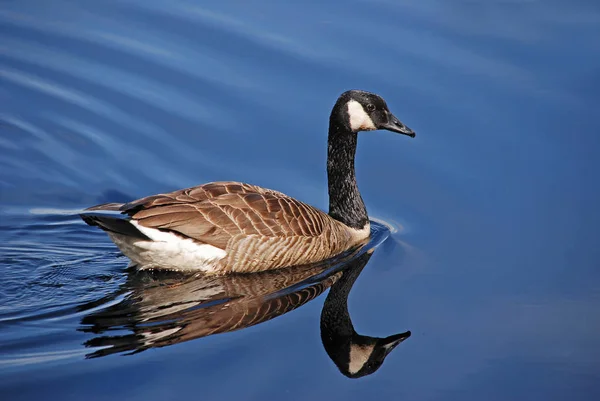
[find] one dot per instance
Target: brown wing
(214, 213)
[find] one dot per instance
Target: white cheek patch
(359, 119)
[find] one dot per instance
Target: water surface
(492, 261)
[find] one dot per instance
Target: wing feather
(214, 213)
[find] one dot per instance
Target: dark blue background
(494, 267)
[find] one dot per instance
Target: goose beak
(395, 125)
(389, 343)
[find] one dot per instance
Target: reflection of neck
(336, 326)
(345, 203)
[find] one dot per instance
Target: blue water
(492, 258)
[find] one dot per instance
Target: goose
(233, 227)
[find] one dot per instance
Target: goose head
(366, 111)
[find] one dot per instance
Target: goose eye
(370, 107)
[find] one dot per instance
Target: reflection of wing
(167, 308)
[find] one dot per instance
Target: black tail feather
(113, 224)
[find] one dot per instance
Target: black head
(366, 111)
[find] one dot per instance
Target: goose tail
(109, 218)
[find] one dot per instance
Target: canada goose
(225, 227)
(355, 355)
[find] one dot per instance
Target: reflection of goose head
(355, 355)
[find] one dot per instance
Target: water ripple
(131, 85)
(175, 54)
(82, 100)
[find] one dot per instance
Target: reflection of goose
(225, 227)
(165, 308)
(355, 355)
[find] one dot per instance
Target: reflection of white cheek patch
(359, 119)
(359, 355)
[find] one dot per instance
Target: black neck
(337, 331)
(345, 203)
(335, 319)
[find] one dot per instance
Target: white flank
(168, 251)
(359, 119)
